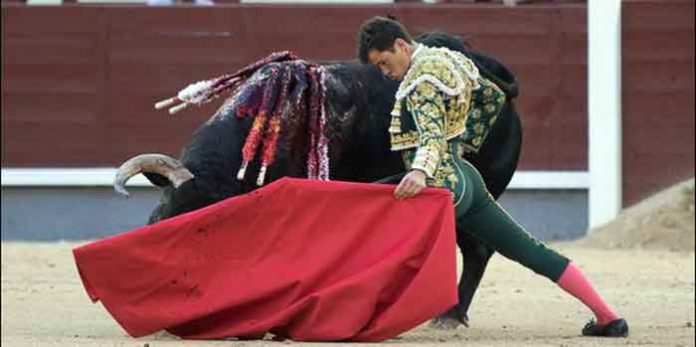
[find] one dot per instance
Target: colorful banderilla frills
(277, 91)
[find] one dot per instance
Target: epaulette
(447, 70)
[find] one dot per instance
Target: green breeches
(479, 214)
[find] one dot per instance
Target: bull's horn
(161, 164)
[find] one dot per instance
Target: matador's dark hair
(379, 33)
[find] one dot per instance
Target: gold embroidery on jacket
(440, 116)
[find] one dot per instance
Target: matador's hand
(410, 185)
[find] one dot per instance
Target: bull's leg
(475, 256)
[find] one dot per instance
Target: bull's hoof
(444, 323)
(450, 320)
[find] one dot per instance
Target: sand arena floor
(44, 304)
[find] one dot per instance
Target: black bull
(359, 100)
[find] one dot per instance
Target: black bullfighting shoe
(616, 328)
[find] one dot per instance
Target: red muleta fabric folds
(305, 260)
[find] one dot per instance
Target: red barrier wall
(83, 79)
(658, 96)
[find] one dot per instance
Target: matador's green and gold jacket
(443, 108)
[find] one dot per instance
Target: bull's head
(174, 179)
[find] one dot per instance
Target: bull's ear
(157, 179)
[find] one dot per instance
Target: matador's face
(392, 62)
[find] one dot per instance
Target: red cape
(306, 260)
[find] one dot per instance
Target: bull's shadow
(358, 102)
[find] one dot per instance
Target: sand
(662, 221)
(44, 304)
